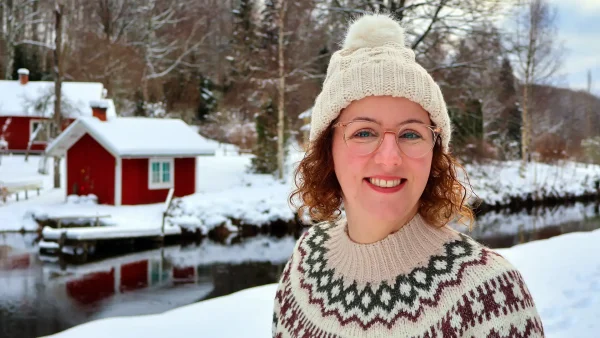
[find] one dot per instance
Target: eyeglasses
(414, 139)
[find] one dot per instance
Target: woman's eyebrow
(370, 119)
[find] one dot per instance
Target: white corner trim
(118, 180)
(161, 185)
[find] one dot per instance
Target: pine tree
(265, 149)
(508, 123)
(242, 44)
(208, 101)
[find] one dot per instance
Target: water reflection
(503, 229)
(42, 295)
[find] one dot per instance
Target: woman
(391, 267)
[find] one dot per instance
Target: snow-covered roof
(135, 137)
(21, 100)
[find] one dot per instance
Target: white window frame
(161, 185)
(45, 130)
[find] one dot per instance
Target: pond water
(42, 295)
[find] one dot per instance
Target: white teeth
(384, 183)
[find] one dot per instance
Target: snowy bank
(569, 305)
(498, 182)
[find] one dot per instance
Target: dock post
(61, 242)
(167, 207)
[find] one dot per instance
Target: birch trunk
(281, 91)
(58, 72)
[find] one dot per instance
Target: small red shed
(130, 160)
(28, 105)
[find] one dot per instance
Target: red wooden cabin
(130, 160)
(25, 105)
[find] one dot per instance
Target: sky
(579, 30)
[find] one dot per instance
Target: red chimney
(23, 75)
(99, 108)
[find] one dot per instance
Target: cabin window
(43, 135)
(161, 173)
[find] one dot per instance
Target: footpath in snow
(562, 273)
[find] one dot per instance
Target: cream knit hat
(375, 62)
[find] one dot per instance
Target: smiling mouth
(385, 183)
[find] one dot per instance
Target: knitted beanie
(375, 62)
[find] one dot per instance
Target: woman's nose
(388, 152)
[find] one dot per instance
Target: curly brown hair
(320, 193)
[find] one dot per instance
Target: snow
(48, 245)
(51, 203)
(19, 100)
(244, 314)
(136, 137)
(227, 191)
(107, 232)
(563, 275)
(495, 182)
(99, 104)
(569, 306)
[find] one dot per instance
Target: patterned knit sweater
(420, 281)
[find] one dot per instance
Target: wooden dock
(79, 236)
(83, 241)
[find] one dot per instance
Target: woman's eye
(364, 134)
(410, 135)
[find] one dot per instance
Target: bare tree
(17, 16)
(538, 57)
(59, 54)
(281, 87)
(429, 23)
(163, 50)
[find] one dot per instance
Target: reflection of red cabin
(125, 277)
(99, 285)
(16, 262)
(130, 160)
(25, 105)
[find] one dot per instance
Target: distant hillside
(565, 114)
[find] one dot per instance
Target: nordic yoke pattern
(421, 281)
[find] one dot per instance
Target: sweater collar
(398, 253)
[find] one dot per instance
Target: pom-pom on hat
(374, 61)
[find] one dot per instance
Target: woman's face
(360, 175)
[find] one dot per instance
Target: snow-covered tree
(537, 54)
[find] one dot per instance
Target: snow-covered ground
(497, 182)
(563, 274)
